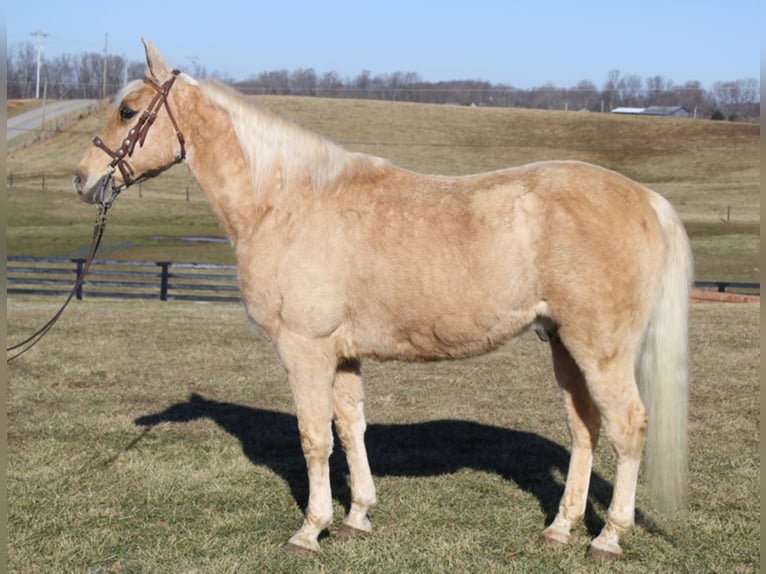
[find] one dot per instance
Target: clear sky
(522, 43)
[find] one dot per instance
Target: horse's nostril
(77, 182)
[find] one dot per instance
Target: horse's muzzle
(95, 193)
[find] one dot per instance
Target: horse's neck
(218, 163)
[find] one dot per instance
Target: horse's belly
(446, 336)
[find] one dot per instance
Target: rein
(136, 135)
(98, 232)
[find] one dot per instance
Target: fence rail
(161, 280)
(167, 281)
(722, 286)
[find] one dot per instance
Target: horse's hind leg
(625, 420)
(350, 426)
(584, 424)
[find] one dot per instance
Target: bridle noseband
(137, 135)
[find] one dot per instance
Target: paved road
(32, 119)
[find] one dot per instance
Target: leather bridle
(137, 134)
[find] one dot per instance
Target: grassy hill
(706, 169)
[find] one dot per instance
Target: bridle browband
(137, 134)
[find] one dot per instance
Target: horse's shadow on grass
(431, 448)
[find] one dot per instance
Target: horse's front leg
(350, 426)
(311, 368)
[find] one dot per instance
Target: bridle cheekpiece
(137, 135)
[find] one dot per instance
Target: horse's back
(456, 266)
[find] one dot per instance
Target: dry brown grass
(17, 107)
(148, 436)
(703, 167)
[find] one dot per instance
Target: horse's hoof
(553, 539)
(602, 555)
(295, 550)
(346, 531)
(551, 542)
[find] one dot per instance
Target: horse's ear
(157, 69)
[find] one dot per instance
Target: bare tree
(304, 82)
(737, 99)
(583, 96)
(610, 89)
(21, 70)
(81, 76)
(657, 87)
(361, 84)
(330, 84)
(61, 77)
(693, 97)
(630, 90)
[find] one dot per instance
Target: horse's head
(141, 138)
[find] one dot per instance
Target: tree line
(94, 75)
(733, 100)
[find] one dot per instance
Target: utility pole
(39, 48)
(103, 79)
(45, 102)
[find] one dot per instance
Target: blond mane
(273, 143)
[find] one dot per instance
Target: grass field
(136, 445)
(706, 169)
(140, 448)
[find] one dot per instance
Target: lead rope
(98, 233)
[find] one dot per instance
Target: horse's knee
(348, 402)
(316, 444)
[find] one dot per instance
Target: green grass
(160, 437)
(704, 168)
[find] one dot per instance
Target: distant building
(634, 111)
(665, 111)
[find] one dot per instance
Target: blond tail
(662, 368)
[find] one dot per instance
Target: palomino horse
(343, 256)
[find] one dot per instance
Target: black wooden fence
(165, 280)
(722, 286)
(123, 279)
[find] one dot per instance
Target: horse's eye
(126, 113)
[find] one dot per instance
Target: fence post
(164, 275)
(79, 263)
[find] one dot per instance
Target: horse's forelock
(127, 90)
